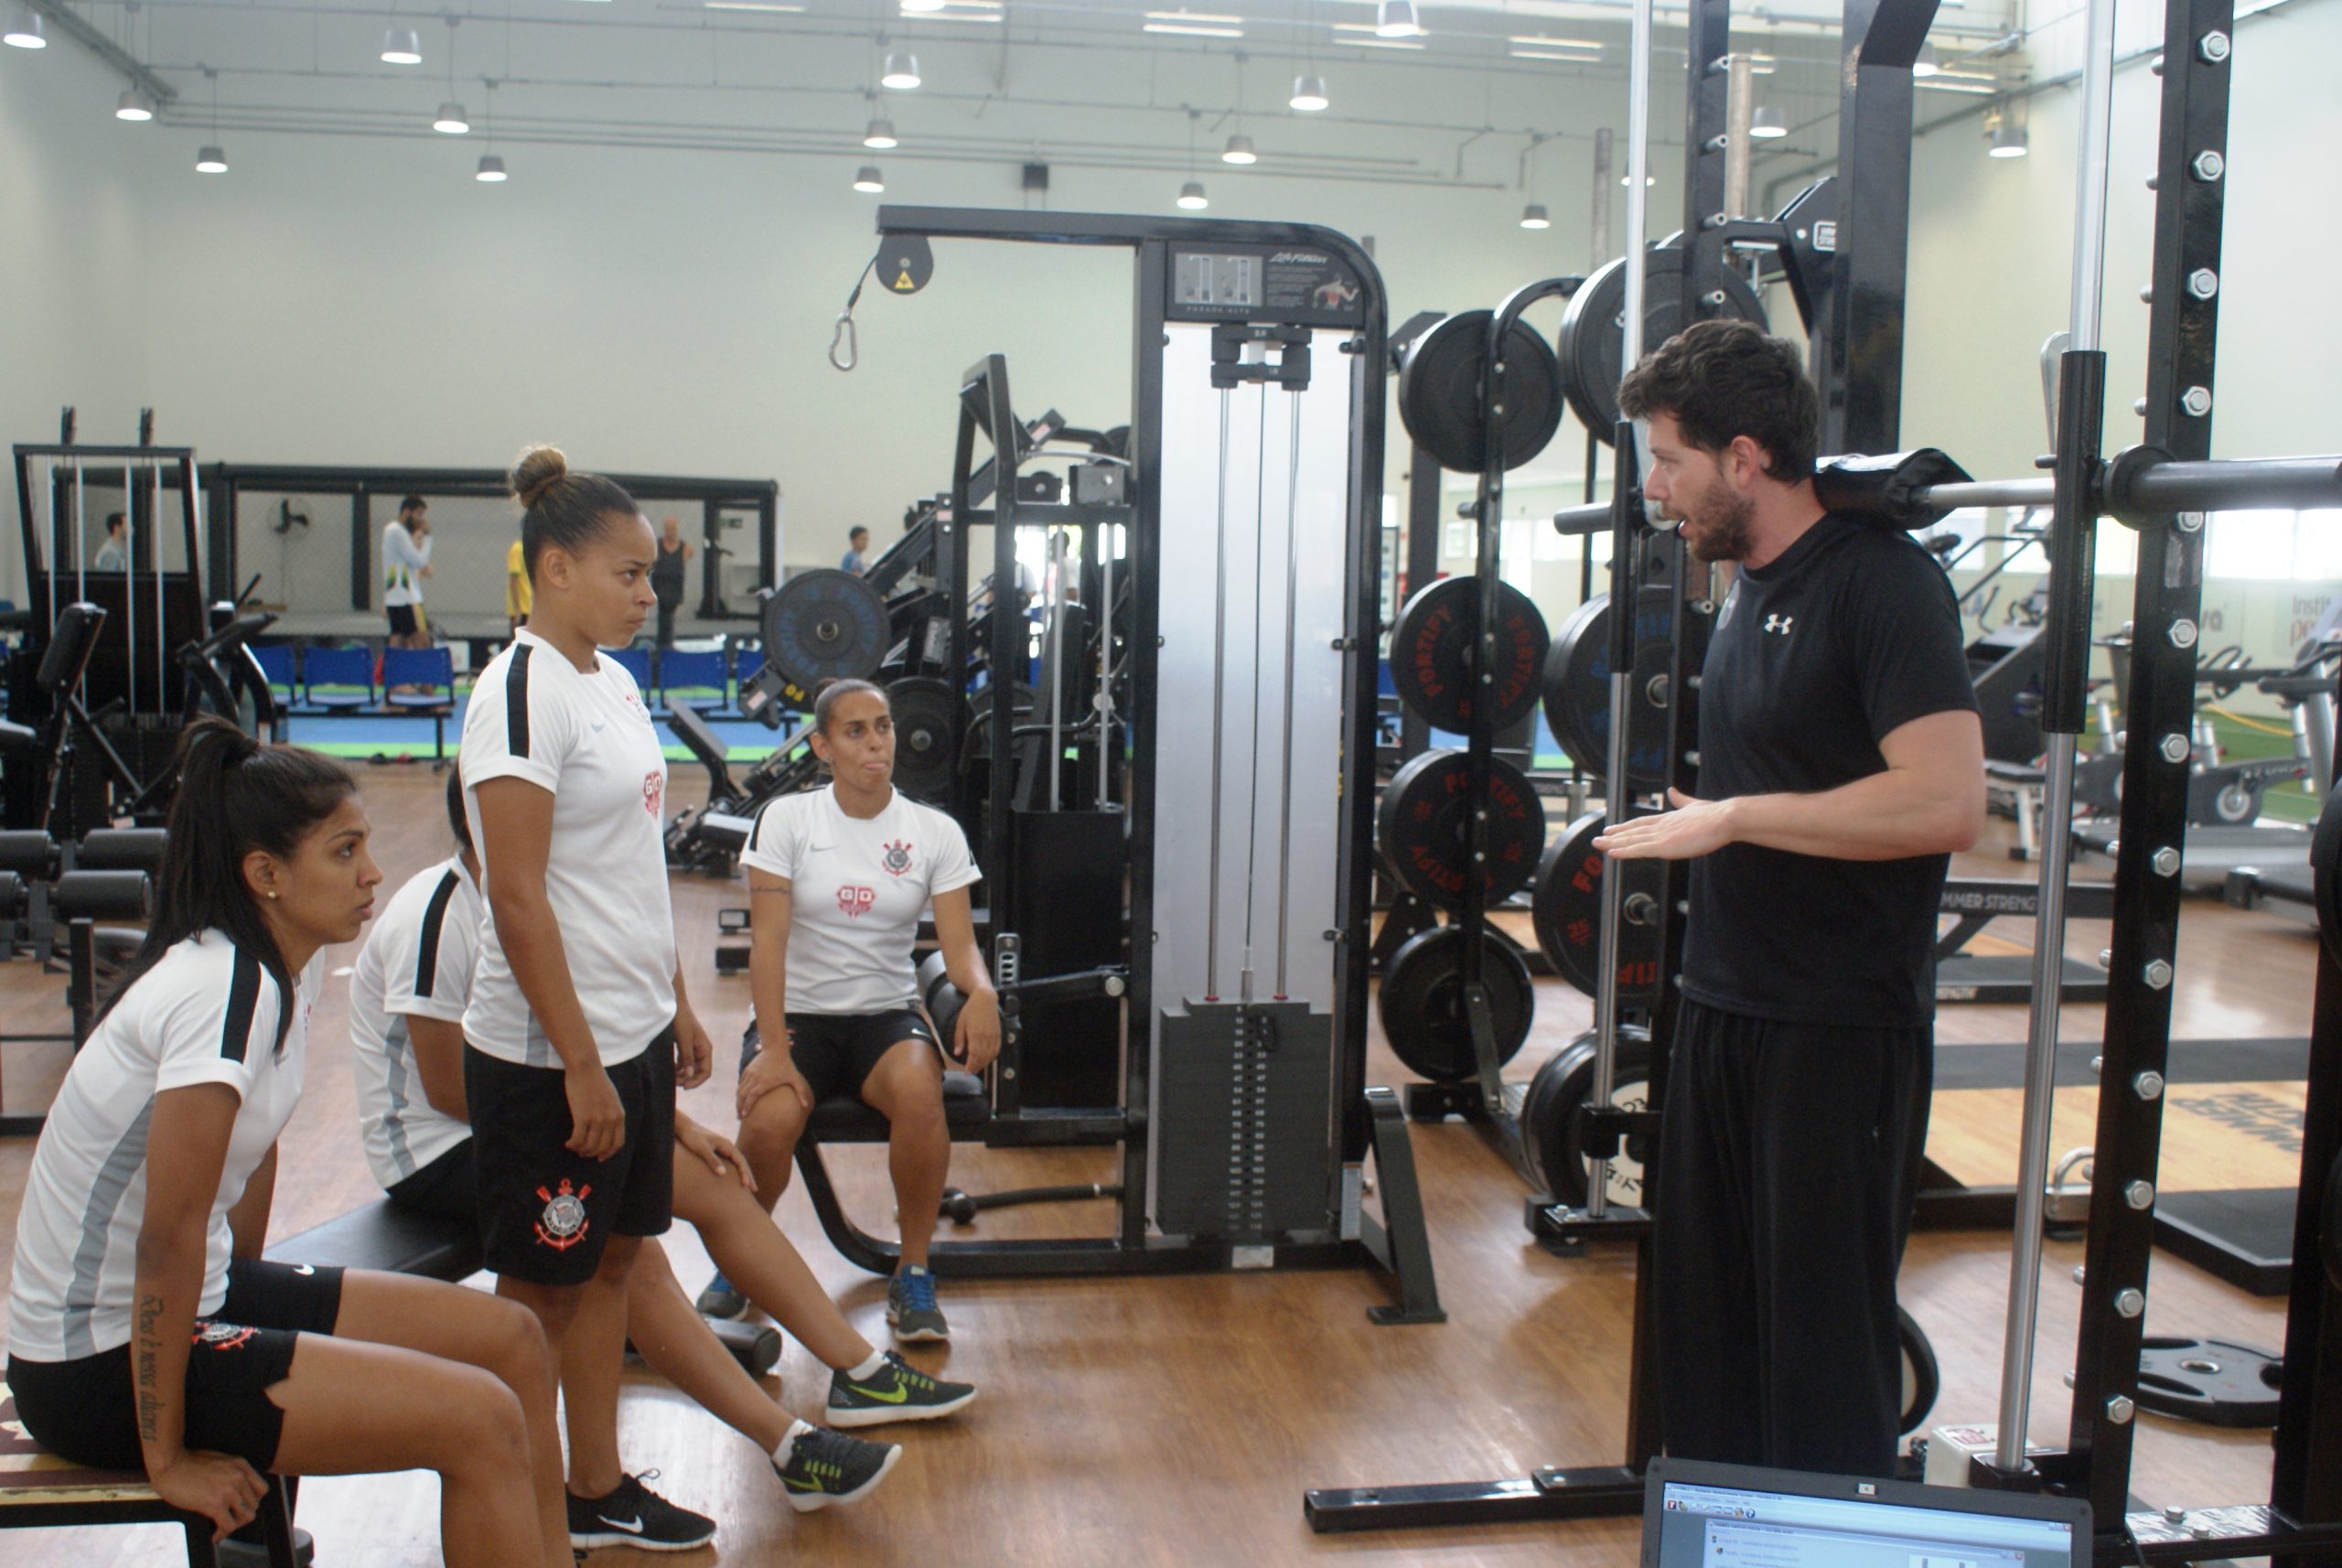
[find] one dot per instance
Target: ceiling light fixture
(1397, 19)
(26, 30)
(451, 120)
(901, 73)
(1926, 66)
(1576, 57)
(1546, 41)
(1370, 42)
(1192, 198)
(134, 106)
(1533, 217)
(1193, 24)
(752, 5)
(2005, 138)
(491, 171)
(880, 135)
(868, 181)
(962, 11)
(1767, 123)
(1309, 94)
(212, 160)
(922, 6)
(402, 45)
(1238, 151)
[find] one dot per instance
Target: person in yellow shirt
(516, 587)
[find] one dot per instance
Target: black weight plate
(1565, 908)
(826, 625)
(1552, 1135)
(1594, 328)
(1440, 393)
(1921, 1377)
(2214, 1381)
(922, 706)
(1577, 687)
(1422, 1003)
(1431, 643)
(1425, 812)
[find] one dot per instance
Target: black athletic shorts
(544, 1212)
(86, 1409)
(447, 1188)
(401, 619)
(836, 1051)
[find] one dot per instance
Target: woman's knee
(772, 1125)
(484, 1428)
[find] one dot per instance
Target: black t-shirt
(1851, 633)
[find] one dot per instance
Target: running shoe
(911, 1305)
(633, 1515)
(899, 1392)
(720, 1299)
(825, 1467)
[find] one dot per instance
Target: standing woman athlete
(838, 878)
(578, 1029)
(143, 1328)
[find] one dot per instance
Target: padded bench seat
(39, 1490)
(845, 1119)
(385, 1237)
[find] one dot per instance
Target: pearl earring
(271, 892)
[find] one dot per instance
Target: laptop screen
(1715, 1515)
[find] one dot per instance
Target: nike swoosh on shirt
(597, 726)
(631, 1526)
(305, 1268)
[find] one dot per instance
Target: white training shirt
(587, 739)
(416, 963)
(857, 890)
(205, 1014)
(403, 560)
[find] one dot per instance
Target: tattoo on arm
(150, 1395)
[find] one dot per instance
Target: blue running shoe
(910, 1306)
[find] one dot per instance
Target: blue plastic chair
(281, 665)
(635, 661)
(338, 680)
(698, 676)
(433, 671)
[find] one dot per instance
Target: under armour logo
(1778, 623)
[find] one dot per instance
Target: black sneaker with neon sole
(910, 1306)
(635, 1516)
(825, 1467)
(899, 1392)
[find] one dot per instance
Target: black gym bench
(384, 1237)
(845, 1119)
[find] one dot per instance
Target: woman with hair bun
(144, 1328)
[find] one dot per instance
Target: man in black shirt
(1841, 762)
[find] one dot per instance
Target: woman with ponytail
(145, 1330)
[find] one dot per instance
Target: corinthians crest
(562, 1224)
(897, 858)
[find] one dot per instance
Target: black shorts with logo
(544, 1210)
(86, 1409)
(401, 619)
(836, 1051)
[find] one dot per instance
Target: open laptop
(1700, 1514)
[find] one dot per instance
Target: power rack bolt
(2203, 282)
(2196, 401)
(2119, 1409)
(2157, 974)
(2140, 1195)
(2183, 634)
(2213, 47)
(2188, 522)
(2209, 165)
(2139, 406)
(2174, 747)
(2148, 1085)
(2165, 861)
(2130, 1302)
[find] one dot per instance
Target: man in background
(856, 555)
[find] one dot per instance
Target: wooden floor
(1178, 1421)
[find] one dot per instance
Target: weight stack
(1248, 1088)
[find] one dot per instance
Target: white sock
(870, 1368)
(789, 1440)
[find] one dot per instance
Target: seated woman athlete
(838, 878)
(407, 995)
(144, 1330)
